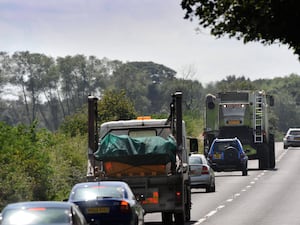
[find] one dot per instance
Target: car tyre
(166, 218)
(179, 218)
(245, 172)
(211, 187)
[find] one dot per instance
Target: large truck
(245, 115)
(151, 155)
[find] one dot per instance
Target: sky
(137, 30)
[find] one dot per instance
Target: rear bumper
(292, 143)
(238, 166)
(200, 181)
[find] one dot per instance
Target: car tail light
(210, 156)
(205, 170)
(37, 209)
(124, 207)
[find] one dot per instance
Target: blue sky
(136, 30)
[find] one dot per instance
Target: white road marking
(213, 212)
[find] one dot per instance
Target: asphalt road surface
(264, 197)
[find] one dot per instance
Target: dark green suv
(228, 155)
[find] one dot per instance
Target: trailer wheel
(264, 161)
(188, 204)
(179, 218)
(272, 151)
(166, 218)
(187, 213)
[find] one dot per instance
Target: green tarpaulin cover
(141, 150)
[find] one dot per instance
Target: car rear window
(195, 160)
(95, 192)
(221, 146)
(36, 216)
(295, 132)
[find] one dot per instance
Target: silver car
(292, 138)
(201, 174)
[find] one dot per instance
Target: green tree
(232, 83)
(114, 105)
(29, 72)
(267, 21)
(142, 82)
(23, 164)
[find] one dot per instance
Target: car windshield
(195, 160)
(96, 192)
(221, 146)
(36, 216)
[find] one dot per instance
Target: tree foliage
(267, 21)
(114, 105)
(38, 165)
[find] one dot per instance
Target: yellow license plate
(217, 156)
(98, 210)
(234, 122)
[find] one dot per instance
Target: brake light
(204, 170)
(124, 207)
(37, 209)
(178, 196)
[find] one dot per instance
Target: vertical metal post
(92, 136)
(178, 110)
(92, 118)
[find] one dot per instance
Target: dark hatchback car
(107, 202)
(228, 155)
(42, 213)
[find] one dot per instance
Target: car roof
(225, 139)
(102, 183)
(196, 155)
(294, 129)
(31, 204)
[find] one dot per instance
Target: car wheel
(245, 172)
(207, 189)
(213, 187)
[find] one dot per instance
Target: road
(264, 197)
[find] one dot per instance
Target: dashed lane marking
(229, 200)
